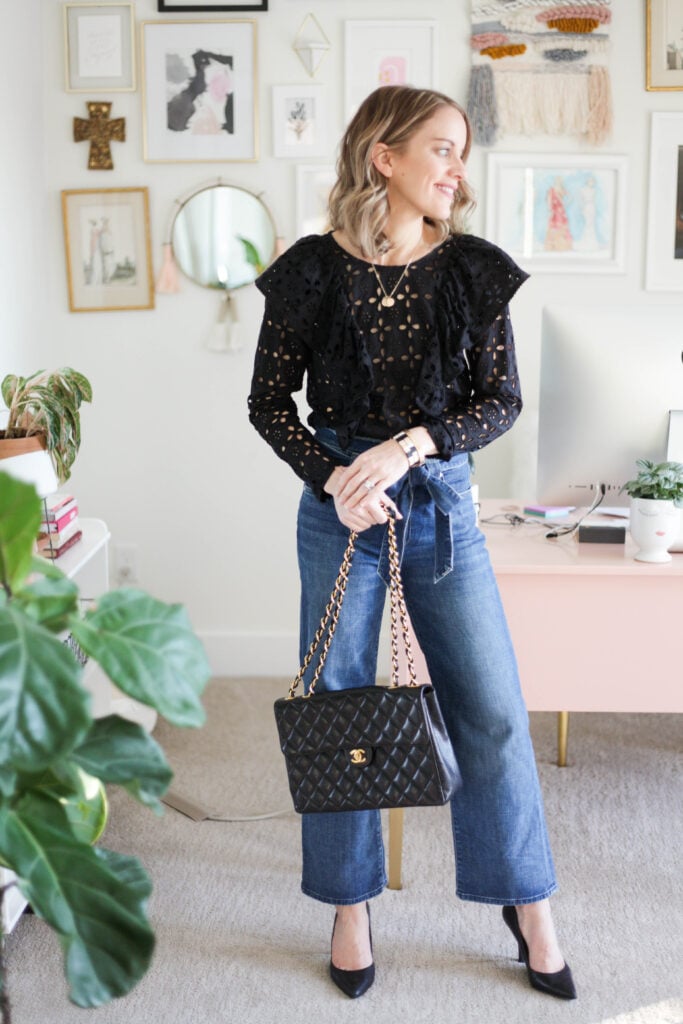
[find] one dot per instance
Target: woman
(399, 321)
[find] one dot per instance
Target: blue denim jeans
(501, 844)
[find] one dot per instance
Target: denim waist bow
(432, 476)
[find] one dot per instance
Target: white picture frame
(313, 185)
(184, 123)
(664, 264)
(558, 212)
(387, 53)
(99, 47)
(664, 45)
(299, 119)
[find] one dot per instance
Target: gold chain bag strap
(365, 747)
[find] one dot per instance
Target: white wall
(169, 458)
(23, 198)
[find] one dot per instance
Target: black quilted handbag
(366, 747)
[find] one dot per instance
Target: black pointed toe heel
(353, 983)
(558, 983)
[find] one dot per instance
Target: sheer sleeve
(495, 399)
(282, 358)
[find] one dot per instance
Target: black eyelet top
(442, 356)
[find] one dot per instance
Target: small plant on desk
(656, 499)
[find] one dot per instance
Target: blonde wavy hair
(358, 202)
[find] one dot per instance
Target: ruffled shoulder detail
(474, 281)
(485, 279)
(299, 278)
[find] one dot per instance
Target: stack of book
(59, 529)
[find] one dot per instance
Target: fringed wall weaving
(539, 67)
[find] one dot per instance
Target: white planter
(654, 527)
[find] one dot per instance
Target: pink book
(56, 525)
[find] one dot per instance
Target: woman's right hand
(361, 517)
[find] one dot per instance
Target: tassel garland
(167, 281)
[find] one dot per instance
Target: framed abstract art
(199, 83)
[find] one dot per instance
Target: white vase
(654, 527)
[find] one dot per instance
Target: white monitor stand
(674, 453)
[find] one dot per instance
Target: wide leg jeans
(500, 839)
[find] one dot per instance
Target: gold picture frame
(99, 47)
(199, 91)
(664, 46)
(108, 249)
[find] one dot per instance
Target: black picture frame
(168, 7)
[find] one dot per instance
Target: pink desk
(593, 629)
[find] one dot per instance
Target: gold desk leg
(395, 847)
(562, 736)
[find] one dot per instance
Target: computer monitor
(609, 377)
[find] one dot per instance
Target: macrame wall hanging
(539, 67)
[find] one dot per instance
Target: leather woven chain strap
(328, 623)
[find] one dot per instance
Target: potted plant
(43, 431)
(656, 499)
(50, 745)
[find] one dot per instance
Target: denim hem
(343, 902)
(506, 901)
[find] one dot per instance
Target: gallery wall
(169, 458)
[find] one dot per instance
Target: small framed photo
(99, 44)
(664, 266)
(299, 119)
(313, 185)
(558, 212)
(108, 250)
(211, 5)
(664, 45)
(387, 53)
(199, 83)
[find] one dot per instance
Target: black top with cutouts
(442, 356)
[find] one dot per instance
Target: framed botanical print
(558, 212)
(108, 250)
(664, 65)
(199, 83)
(99, 47)
(299, 119)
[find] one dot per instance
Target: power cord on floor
(197, 812)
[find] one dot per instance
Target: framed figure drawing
(299, 121)
(664, 264)
(99, 45)
(558, 212)
(387, 53)
(664, 65)
(199, 81)
(108, 251)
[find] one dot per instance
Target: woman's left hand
(363, 483)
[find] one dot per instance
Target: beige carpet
(238, 943)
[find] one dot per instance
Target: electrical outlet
(126, 564)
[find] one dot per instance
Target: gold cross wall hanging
(100, 131)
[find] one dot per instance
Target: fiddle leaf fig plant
(48, 404)
(662, 481)
(50, 747)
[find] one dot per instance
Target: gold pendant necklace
(388, 299)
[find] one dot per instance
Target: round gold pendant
(388, 302)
